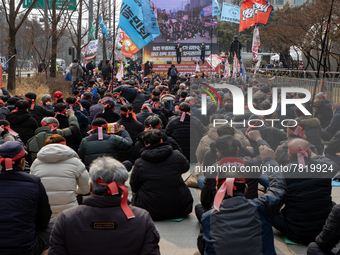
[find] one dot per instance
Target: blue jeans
(264, 180)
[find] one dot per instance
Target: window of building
(280, 2)
(298, 2)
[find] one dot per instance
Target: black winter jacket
(142, 116)
(313, 132)
(157, 183)
(324, 113)
(132, 126)
(334, 126)
(24, 210)
(109, 115)
(187, 134)
(330, 234)
(39, 112)
(23, 123)
(138, 102)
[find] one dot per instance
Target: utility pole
(90, 12)
(46, 64)
(113, 40)
(110, 20)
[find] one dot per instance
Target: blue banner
(102, 25)
(132, 22)
(230, 13)
(216, 9)
(243, 70)
(150, 21)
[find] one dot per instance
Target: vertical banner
(197, 68)
(128, 47)
(243, 70)
(150, 20)
(256, 43)
(215, 8)
(236, 69)
(227, 68)
(120, 73)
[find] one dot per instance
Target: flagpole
(113, 40)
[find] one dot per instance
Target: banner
(132, 22)
(161, 53)
(230, 13)
(198, 68)
(102, 26)
(91, 49)
(91, 32)
(185, 17)
(243, 70)
(227, 68)
(236, 69)
(253, 13)
(183, 69)
(150, 20)
(207, 11)
(256, 43)
(120, 72)
(214, 60)
(215, 8)
(128, 48)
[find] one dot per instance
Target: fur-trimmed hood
(309, 121)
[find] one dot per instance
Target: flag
(120, 73)
(91, 32)
(227, 69)
(132, 21)
(163, 11)
(254, 12)
(243, 70)
(102, 26)
(155, 11)
(236, 65)
(150, 20)
(197, 68)
(128, 47)
(215, 8)
(256, 43)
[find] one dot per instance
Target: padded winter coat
(63, 176)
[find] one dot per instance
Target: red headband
(183, 115)
(9, 130)
(9, 162)
(53, 126)
(128, 113)
(253, 126)
(32, 102)
(16, 110)
(49, 100)
(301, 153)
(147, 107)
(228, 186)
(298, 131)
(158, 126)
(60, 113)
(100, 130)
(112, 189)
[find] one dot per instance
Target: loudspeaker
(169, 62)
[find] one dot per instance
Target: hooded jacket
(334, 126)
(63, 176)
(313, 132)
(133, 127)
(324, 114)
(75, 231)
(39, 112)
(157, 182)
(77, 71)
(23, 123)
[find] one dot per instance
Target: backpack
(173, 72)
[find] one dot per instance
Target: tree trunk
(53, 72)
(12, 51)
(79, 33)
(104, 48)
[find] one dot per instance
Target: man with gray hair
(50, 127)
(105, 224)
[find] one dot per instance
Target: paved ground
(180, 237)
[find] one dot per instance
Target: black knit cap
(98, 122)
(31, 95)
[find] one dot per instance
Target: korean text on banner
(256, 43)
(216, 9)
(230, 13)
(253, 13)
(150, 20)
(131, 21)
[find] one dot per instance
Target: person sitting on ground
(108, 113)
(62, 173)
(329, 237)
(25, 211)
(130, 122)
(156, 179)
(145, 112)
(4, 111)
(86, 101)
(97, 108)
(334, 125)
(322, 111)
(21, 121)
(250, 219)
(127, 91)
(105, 222)
(100, 143)
(46, 102)
(38, 112)
(49, 127)
(302, 220)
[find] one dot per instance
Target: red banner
(128, 46)
(254, 12)
(184, 69)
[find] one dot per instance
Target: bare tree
(12, 10)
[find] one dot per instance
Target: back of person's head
(126, 108)
(228, 107)
(156, 92)
(21, 105)
(51, 122)
(225, 130)
(153, 121)
(108, 170)
(59, 107)
(109, 105)
(88, 94)
(108, 94)
(298, 112)
(56, 138)
(12, 152)
(227, 146)
(265, 105)
(99, 122)
(216, 116)
(70, 100)
(31, 96)
(152, 137)
(184, 94)
(184, 107)
(298, 146)
(4, 123)
(265, 89)
(46, 98)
